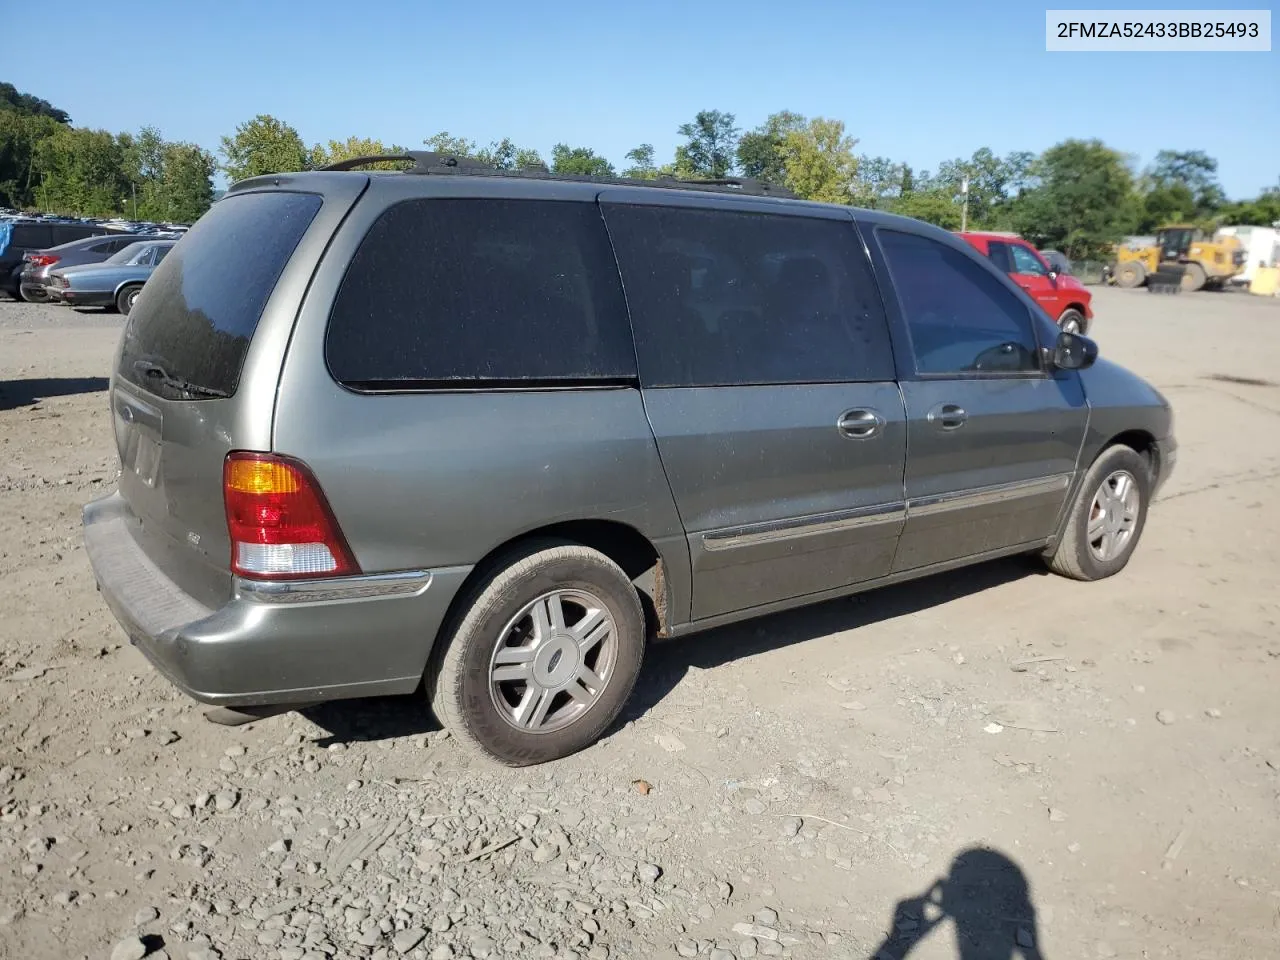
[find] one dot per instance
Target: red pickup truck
(1062, 296)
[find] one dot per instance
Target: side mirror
(1074, 352)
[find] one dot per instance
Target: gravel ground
(995, 758)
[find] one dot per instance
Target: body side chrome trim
(375, 586)
(984, 496)
(772, 531)
(902, 576)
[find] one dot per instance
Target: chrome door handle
(861, 424)
(948, 416)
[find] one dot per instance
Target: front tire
(126, 298)
(1072, 321)
(1193, 277)
(1107, 517)
(542, 657)
(1130, 274)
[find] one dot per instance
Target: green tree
(908, 181)
(1018, 172)
(642, 165)
(505, 155)
(335, 151)
(144, 167)
(186, 182)
(932, 206)
(263, 145)
(993, 183)
(761, 151)
(1080, 205)
(880, 181)
(819, 161)
(444, 142)
(81, 173)
(20, 136)
(579, 161)
(1263, 211)
(712, 141)
(1179, 186)
(25, 104)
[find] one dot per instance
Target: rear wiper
(154, 371)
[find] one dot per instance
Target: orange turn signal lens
(258, 477)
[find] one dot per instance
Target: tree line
(1079, 196)
(49, 165)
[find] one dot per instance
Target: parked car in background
(393, 432)
(19, 237)
(39, 264)
(116, 282)
(1066, 300)
(1057, 262)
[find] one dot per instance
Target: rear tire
(32, 297)
(1072, 321)
(513, 680)
(1193, 277)
(127, 297)
(1130, 274)
(1107, 517)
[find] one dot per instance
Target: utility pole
(134, 187)
(964, 209)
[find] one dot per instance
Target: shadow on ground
(986, 897)
(667, 662)
(23, 393)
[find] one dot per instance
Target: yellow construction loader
(1204, 261)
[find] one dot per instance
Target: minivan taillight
(280, 524)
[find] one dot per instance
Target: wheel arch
(1142, 442)
(622, 543)
(1079, 307)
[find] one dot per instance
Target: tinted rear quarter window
(451, 291)
(725, 297)
(203, 303)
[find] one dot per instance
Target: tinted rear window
(31, 237)
(65, 234)
(447, 291)
(202, 304)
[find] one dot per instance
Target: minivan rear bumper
(271, 643)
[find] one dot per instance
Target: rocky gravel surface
(996, 758)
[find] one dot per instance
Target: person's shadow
(988, 899)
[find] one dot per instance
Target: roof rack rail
(430, 162)
(424, 161)
(749, 185)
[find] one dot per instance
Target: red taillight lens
(42, 259)
(281, 527)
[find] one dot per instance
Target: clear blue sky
(919, 82)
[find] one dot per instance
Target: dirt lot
(1112, 749)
